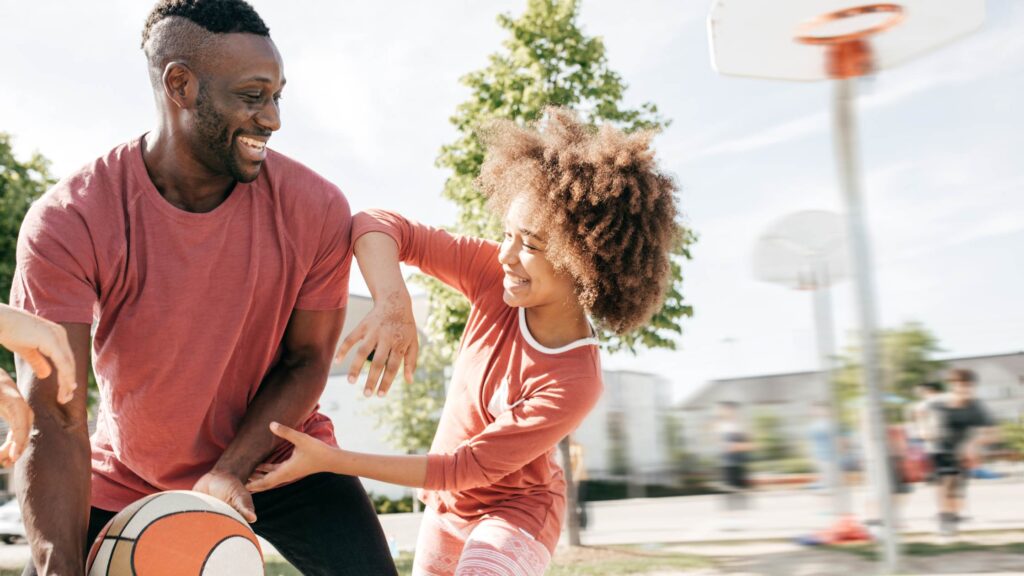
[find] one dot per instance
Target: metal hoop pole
(849, 177)
(826, 355)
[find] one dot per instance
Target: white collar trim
(525, 331)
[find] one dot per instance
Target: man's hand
(309, 457)
(228, 488)
(389, 333)
(19, 416)
(36, 340)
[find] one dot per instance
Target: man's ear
(181, 85)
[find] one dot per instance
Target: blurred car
(12, 529)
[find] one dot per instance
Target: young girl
(589, 222)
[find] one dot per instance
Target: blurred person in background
(965, 429)
(822, 448)
(896, 468)
(924, 423)
(734, 448)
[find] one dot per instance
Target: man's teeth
(254, 144)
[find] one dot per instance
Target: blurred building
(629, 433)
(1000, 382)
(786, 397)
(790, 398)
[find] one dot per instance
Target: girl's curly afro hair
(612, 212)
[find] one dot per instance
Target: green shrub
(384, 505)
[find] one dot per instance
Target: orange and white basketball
(178, 533)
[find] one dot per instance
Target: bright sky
(371, 86)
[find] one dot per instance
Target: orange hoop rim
(804, 30)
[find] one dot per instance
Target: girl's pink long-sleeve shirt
(510, 399)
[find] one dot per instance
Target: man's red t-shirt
(188, 309)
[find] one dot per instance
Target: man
(965, 428)
(216, 272)
(734, 446)
(923, 420)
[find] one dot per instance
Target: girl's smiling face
(531, 279)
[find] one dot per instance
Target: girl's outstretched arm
(312, 456)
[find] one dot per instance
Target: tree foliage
(21, 183)
(906, 357)
(1012, 434)
(769, 437)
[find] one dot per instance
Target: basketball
(177, 533)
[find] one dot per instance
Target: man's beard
(213, 140)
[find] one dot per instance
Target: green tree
(675, 443)
(907, 359)
(770, 442)
(546, 60)
(1012, 433)
(21, 183)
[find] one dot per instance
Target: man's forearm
(52, 480)
(288, 394)
(53, 475)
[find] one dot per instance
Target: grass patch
(608, 561)
(590, 561)
(870, 552)
(277, 566)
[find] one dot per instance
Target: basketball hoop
(849, 55)
(796, 39)
(804, 35)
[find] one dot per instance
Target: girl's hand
(389, 333)
(309, 457)
(15, 410)
(37, 340)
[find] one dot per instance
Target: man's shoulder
(307, 201)
(93, 191)
(296, 182)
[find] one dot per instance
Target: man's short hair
(963, 375)
(183, 30)
(217, 16)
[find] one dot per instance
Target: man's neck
(179, 177)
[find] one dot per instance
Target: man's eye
(252, 96)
